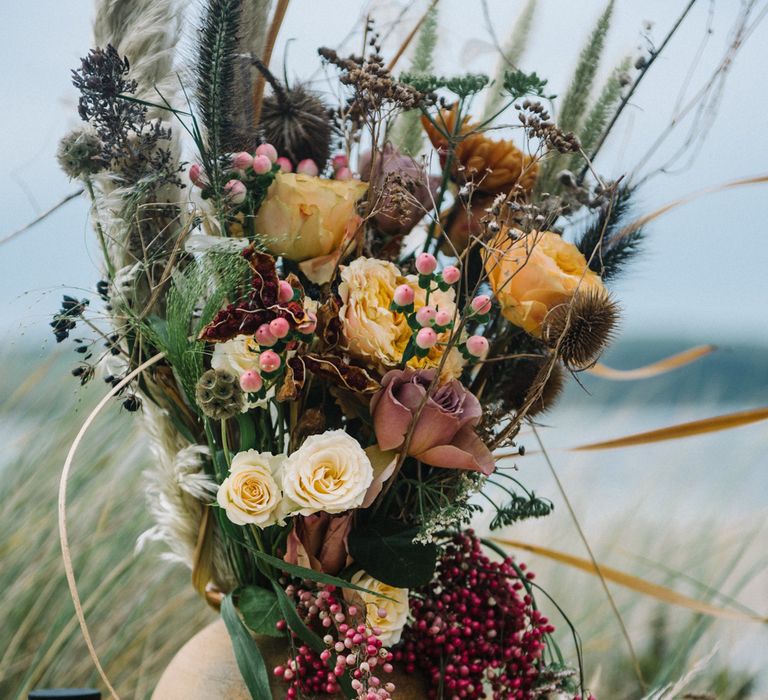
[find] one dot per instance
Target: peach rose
(534, 274)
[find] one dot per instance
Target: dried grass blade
(635, 583)
(655, 368)
(404, 46)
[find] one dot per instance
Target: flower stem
(100, 230)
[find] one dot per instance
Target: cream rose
(395, 610)
(241, 354)
(329, 473)
(307, 217)
(250, 495)
(377, 334)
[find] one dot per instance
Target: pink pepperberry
(425, 339)
(477, 345)
(285, 165)
(284, 292)
(251, 381)
(451, 274)
(261, 165)
(343, 174)
(443, 318)
(425, 315)
(339, 161)
(269, 361)
(404, 295)
(268, 150)
(264, 336)
(481, 304)
(308, 167)
(279, 327)
(426, 264)
(242, 160)
(235, 191)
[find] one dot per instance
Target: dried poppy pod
(582, 327)
(218, 394)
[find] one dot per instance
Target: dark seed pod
(521, 378)
(219, 395)
(581, 328)
(132, 403)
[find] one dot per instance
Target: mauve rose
(445, 432)
(398, 217)
(319, 542)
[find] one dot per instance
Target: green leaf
(247, 432)
(260, 609)
(385, 550)
(247, 654)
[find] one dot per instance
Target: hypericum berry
(268, 150)
(242, 160)
(279, 327)
(451, 274)
(235, 191)
(339, 161)
(404, 295)
(426, 338)
(426, 264)
(477, 346)
(308, 167)
(261, 165)
(284, 292)
(269, 361)
(343, 174)
(285, 165)
(481, 304)
(251, 381)
(425, 315)
(264, 336)
(196, 174)
(443, 318)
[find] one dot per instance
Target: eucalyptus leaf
(260, 609)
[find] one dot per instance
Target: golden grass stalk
(654, 369)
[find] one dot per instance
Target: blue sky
(702, 276)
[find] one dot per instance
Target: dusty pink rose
(319, 542)
(445, 432)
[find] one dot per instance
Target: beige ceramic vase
(205, 669)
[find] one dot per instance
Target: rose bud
(443, 318)
(279, 327)
(235, 191)
(477, 346)
(451, 274)
(481, 304)
(426, 264)
(425, 315)
(284, 292)
(426, 338)
(268, 150)
(285, 165)
(251, 381)
(265, 336)
(269, 361)
(242, 160)
(404, 295)
(262, 165)
(307, 167)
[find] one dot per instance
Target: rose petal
(390, 419)
(383, 464)
(467, 452)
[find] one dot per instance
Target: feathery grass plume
(606, 254)
(601, 111)
(408, 134)
(582, 327)
(574, 105)
(217, 60)
(510, 56)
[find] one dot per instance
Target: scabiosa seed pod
(219, 395)
(582, 327)
(79, 154)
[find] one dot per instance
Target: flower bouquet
(331, 318)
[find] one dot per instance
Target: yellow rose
(534, 274)
(377, 334)
(250, 495)
(395, 610)
(306, 217)
(329, 473)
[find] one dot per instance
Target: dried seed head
(582, 327)
(79, 154)
(218, 394)
(523, 379)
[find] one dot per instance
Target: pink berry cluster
(353, 650)
(340, 165)
(429, 321)
(475, 624)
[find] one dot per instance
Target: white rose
(329, 472)
(250, 495)
(239, 355)
(395, 611)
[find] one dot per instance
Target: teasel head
(582, 327)
(218, 394)
(295, 121)
(528, 377)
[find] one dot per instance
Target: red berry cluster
(475, 625)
